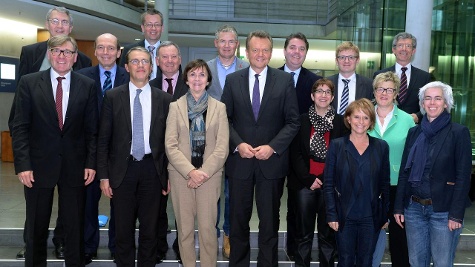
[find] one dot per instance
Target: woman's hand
(453, 225)
(334, 226)
(399, 219)
(197, 178)
(316, 184)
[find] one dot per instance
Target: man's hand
(165, 192)
(453, 225)
(415, 118)
(246, 151)
(89, 176)
(106, 189)
(334, 226)
(263, 152)
(399, 219)
(26, 178)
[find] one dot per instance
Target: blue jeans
(226, 225)
(379, 249)
(428, 236)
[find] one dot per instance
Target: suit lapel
(125, 102)
(75, 85)
(210, 111)
(439, 142)
(245, 91)
(268, 88)
(154, 103)
(183, 111)
(40, 53)
(46, 89)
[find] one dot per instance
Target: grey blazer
(215, 89)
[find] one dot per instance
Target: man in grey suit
(226, 42)
(349, 86)
(263, 115)
(107, 74)
(404, 48)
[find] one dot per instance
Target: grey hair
(60, 9)
(226, 28)
(446, 91)
(405, 35)
(168, 43)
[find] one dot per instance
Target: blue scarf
(197, 127)
(417, 158)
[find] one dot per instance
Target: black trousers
(308, 203)
(138, 196)
(397, 236)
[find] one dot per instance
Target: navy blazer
(276, 125)
(364, 89)
(126, 49)
(339, 180)
(419, 78)
(450, 171)
(304, 88)
(121, 77)
(38, 142)
(300, 176)
(115, 135)
(181, 87)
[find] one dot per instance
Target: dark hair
(364, 105)
(323, 81)
(196, 64)
(297, 35)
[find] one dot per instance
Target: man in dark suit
(131, 160)
(226, 42)
(34, 58)
(54, 143)
(295, 52)
(404, 47)
(263, 114)
(347, 58)
(152, 26)
(107, 75)
(170, 80)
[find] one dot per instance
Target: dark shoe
(88, 257)
(59, 251)
(21, 254)
(113, 256)
(160, 257)
(177, 254)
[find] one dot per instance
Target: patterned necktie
(345, 97)
(107, 83)
(138, 147)
(293, 78)
(256, 97)
(59, 101)
(403, 89)
(170, 85)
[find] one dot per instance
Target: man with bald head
(33, 58)
(106, 75)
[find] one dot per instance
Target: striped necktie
(345, 97)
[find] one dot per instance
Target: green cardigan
(395, 135)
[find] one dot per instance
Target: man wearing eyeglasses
(131, 160)
(412, 78)
(349, 86)
(54, 143)
(107, 75)
(152, 26)
(34, 58)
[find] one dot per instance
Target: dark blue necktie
(107, 83)
(345, 97)
(256, 97)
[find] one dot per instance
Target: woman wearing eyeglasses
(307, 161)
(392, 125)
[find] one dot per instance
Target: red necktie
(403, 88)
(59, 101)
(170, 85)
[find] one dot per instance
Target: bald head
(107, 50)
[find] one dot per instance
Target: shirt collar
(102, 70)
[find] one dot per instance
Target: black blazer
(276, 126)
(121, 77)
(304, 88)
(364, 89)
(38, 142)
(419, 78)
(450, 171)
(339, 179)
(115, 135)
(126, 49)
(300, 176)
(32, 57)
(180, 89)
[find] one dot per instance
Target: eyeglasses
(350, 58)
(138, 61)
(150, 25)
(57, 22)
(401, 46)
(389, 91)
(66, 53)
(230, 42)
(323, 92)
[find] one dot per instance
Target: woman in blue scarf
(197, 145)
(434, 180)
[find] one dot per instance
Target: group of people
(141, 130)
